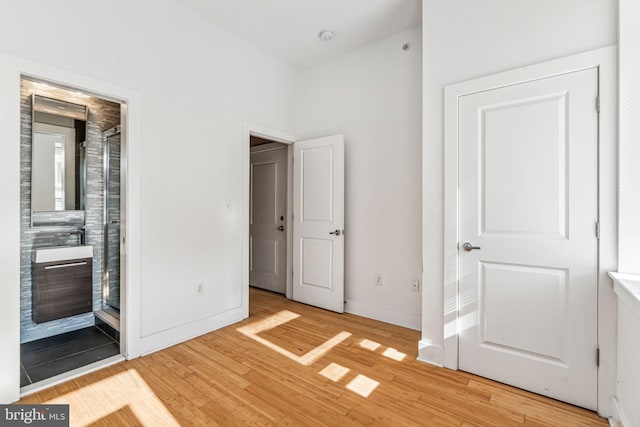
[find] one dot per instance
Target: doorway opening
(72, 178)
(313, 225)
(269, 266)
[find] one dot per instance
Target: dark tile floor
(48, 357)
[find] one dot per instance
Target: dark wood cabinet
(61, 289)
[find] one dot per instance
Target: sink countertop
(62, 253)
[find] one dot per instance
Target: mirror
(58, 172)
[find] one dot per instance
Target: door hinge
(598, 103)
(597, 357)
(597, 229)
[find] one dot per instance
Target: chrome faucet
(81, 233)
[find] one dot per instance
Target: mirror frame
(75, 218)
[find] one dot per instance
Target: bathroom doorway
(71, 186)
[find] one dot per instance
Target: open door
(318, 217)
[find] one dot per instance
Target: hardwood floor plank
(371, 378)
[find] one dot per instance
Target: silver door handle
(337, 232)
(469, 247)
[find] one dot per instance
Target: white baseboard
(619, 417)
(384, 314)
(430, 353)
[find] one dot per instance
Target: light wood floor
(274, 369)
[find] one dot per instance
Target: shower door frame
(105, 221)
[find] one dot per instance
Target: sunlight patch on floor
(126, 391)
(334, 372)
(369, 345)
(277, 319)
(363, 385)
(253, 329)
(394, 354)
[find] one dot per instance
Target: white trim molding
(618, 417)
(605, 60)
(627, 289)
(252, 129)
(430, 353)
(625, 402)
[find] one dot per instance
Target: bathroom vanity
(62, 282)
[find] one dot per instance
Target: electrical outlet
(415, 285)
(200, 288)
(378, 279)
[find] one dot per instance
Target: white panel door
(267, 220)
(318, 215)
(528, 200)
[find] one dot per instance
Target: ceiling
(289, 28)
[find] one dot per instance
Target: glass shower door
(111, 285)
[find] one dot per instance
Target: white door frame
(605, 60)
(248, 130)
(12, 69)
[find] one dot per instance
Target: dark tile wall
(103, 115)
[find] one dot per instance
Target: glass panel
(113, 223)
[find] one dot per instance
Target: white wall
(196, 85)
(465, 39)
(628, 375)
(629, 204)
(373, 96)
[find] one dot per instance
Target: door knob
(281, 227)
(337, 232)
(467, 246)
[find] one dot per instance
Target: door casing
(249, 129)
(605, 60)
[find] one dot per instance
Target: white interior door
(267, 218)
(528, 200)
(318, 216)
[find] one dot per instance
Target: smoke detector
(326, 35)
